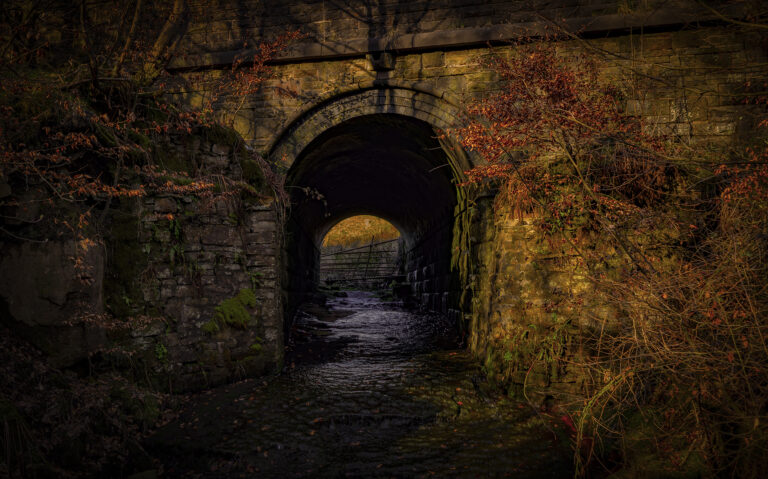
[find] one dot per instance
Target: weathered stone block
(220, 235)
(432, 60)
(261, 226)
(154, 328)
(165, 205)
(220, 150)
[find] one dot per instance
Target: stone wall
(227, 24)
(220, 29)
(190, 260)
(205, 271)
(691, 86)
(687, 83)
(226, 267)
(181, 288)
(428, 271)
(687, 78)
(300, 272)
(523, 325)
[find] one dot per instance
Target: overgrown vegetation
(59, 424)
(89, 122)
(671, 237)
(88, 112)
(360, 230)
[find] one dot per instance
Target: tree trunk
(168, 40)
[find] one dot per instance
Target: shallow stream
(369, 390)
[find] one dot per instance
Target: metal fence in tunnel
(368, 265)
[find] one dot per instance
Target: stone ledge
(457, 38)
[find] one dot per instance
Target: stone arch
(375, 151)
(401, 98)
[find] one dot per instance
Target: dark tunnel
(386, 165)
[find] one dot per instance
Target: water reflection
(370, 390)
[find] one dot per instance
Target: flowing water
(370, 390)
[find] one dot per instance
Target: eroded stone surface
(41, 293)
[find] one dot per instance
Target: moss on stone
(224, 136)
(252, 173)
(211, 327)
(233, 312)
(143, 407)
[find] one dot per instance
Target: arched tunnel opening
(386, 165)
(363, 252)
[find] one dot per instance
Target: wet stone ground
(369, 390)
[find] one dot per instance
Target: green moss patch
(233, 312)
(211, 327)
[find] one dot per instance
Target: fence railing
(362, 264)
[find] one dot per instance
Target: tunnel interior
(385, 165)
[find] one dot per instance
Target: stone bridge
(353, 113)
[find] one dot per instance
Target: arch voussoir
(434, 110)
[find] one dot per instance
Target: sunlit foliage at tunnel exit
(359, 230)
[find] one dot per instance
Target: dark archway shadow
(388, 165)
